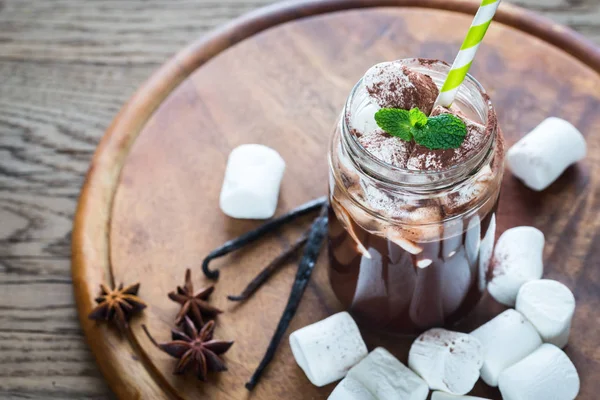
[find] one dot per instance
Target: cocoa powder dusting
(396, 86)
(424, 159)
(427, 62)
(387, 148)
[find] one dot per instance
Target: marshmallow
(395, 235)
(506, 339)
(400, 281)
(363, 119)
(453, 233)
(446, 396)
(387, 148)
(427, 304)
(350, 389)
(370, 284)
(542, 156)
(473, 240)
(464, 198)
(251, 185)
(393, 84)
(517, 259)
(326, 350)
(546, 374)
(344, 217)
(456, 277)
(485, 252)
(387, 378)
(446, 360)
(549, 306)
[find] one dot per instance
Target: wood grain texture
(66, 67)
(164, 215)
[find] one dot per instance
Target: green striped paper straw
(467, 52)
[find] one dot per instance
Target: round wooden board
(149, 208)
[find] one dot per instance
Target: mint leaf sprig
(442, 132)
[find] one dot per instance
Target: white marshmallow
(370, 284)
(251, 185)
(446, 396)
(446, 360)
(363, 120)
(506, 339)
(350, 389)
(479, 186)
(546, 374)
(382, 75)
(394, 235)
(485, 252)
(542, 156)
(517, 259)
(549, 306)
(400, 281)
(453, 238)
(387, 378)
(327, 349)
(457, 277)
(473, 240)
(345, 218)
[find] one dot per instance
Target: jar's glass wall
(411, 250)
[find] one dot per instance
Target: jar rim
(398, 176)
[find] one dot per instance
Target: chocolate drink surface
(412, 227)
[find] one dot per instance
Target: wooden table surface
(66, 67)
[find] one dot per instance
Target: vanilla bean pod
(268, 271)
(257, 233)
(307, 263)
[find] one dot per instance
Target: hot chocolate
(411, 228)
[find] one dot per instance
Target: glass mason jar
(410, 250)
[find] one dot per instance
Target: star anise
(197, 351)
(193, 305)
(117, 305)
